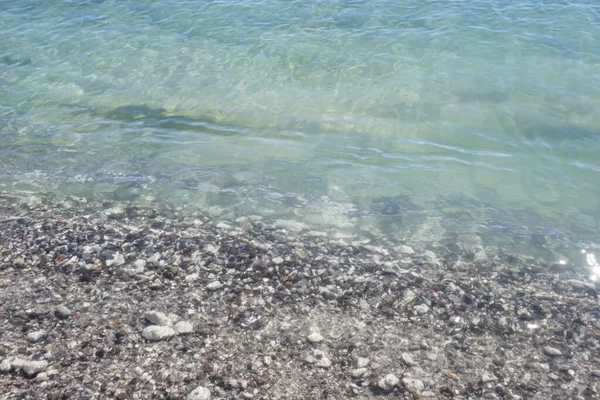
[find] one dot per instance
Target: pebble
(404, 249)
(596, 373)
(552, 352)
(408, 360)
(5, 365)
(488, 377)
(319, 358)
(359, 372)
(183, 327)
(29, 367)
(315, 337)
(200, 393)
(362, 362)
(140, 264)
(117, 260)
(214, 285)
(388, 382)
(155, 332)
(277, 260)
(413, 385)
(36, 335)
(158, 318)
(62, 312)
(421, 309)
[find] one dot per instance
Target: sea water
(407, 120)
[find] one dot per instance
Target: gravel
(198, 307)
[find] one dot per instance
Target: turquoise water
(406, 119)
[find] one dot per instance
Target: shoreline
(155, 305)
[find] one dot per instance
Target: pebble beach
(156, 304)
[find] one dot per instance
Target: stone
(41, 377)
(139, 264)
(5, 365)
(158, 318)
(183, 327)
(552, 352)
(362, 362)
(200, 393)
(155, 332)
(413, 385)
(315, 337)
(117, 260)
(214, 285)
(62, 312)
(388, 382)
(595, 372)
(421, 309)
(359, 372)
(408, 360)
(488, 377)
(277, 260)
(319, 357)
(36, 335)
(404, 249)
(33, 367)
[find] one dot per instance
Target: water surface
(408, 120)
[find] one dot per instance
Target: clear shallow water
(426, 120)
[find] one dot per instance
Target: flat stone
(31, 367)
(5, 365)
(388, 382)
(117, 260)
(62, 312)
(404, 249)
(413, 385)
(36, 335)
(155, 332)
(359, 372)
(315, 337)
(421, 309)
(277, 260)
(362, 362)
(552, 352)
(488, 377)
(158, 318)
(200, 393)
(214, 285)
(183, 327)
(407, 358)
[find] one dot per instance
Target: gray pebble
(214, 285)
(407, 358)
(183, 327)
(388, 382)
(413, 385)
(36, 335)
(488, 377)
(62, 312)
(155, 332)
(200, 393)
(421, 309)
(596, 373)
(552, 352)
(158, 318)
(359, 372)
(140, 264)
(362, 362)
(5, 365)
(404, 249)
(315, 337)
